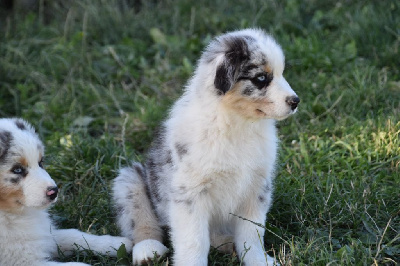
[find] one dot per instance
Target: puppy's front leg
(249, 237)
(189, 231)
(69, 239)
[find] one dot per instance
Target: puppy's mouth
(260, 112)
(44, 204)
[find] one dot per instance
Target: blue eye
(261, 78)
(18, 170)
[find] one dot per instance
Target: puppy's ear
(236, 55)
(223, 78)
(5, 143)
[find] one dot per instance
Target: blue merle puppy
(213, 157)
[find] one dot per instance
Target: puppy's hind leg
(136, 217)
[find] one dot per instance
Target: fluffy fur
(213, 157)
(27, 235)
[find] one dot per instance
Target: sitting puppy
(214, 157)
(27, 236)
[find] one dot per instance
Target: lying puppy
(214, 156)
(27, 236)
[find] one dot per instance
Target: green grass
(97, 77)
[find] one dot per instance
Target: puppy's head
(249, 78)
(23, 181)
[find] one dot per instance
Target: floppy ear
(5, 142)
(236, 54)
(223, 78)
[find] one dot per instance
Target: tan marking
(145, 222)
(267, 69)
(23, 161)
(249, 108)
(141, 233)
(10, 198)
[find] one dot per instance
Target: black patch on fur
(181, 150)
(129, 196)
(168, 159)
(41, 163)
(15, 180)
(238, 50)
(222, 79)
(236, 55)
(5, 143)
(248, 91)
(245, 73)
(153, 180)
(119, 209)
(181, 196)
(158, 158)
(261, 198)
(20, 124)
(267, 188)
(139, 170)
(187, 202)
(150, 186)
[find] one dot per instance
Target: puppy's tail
(135, 215)
(125, 184)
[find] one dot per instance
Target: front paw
(145, 250)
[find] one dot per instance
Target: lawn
(97, 77)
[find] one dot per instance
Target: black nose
(52, 192)
(293, 101)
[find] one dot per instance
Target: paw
(144, 251)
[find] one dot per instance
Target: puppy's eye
(261, 78)
(41, 163)
(18, 170)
